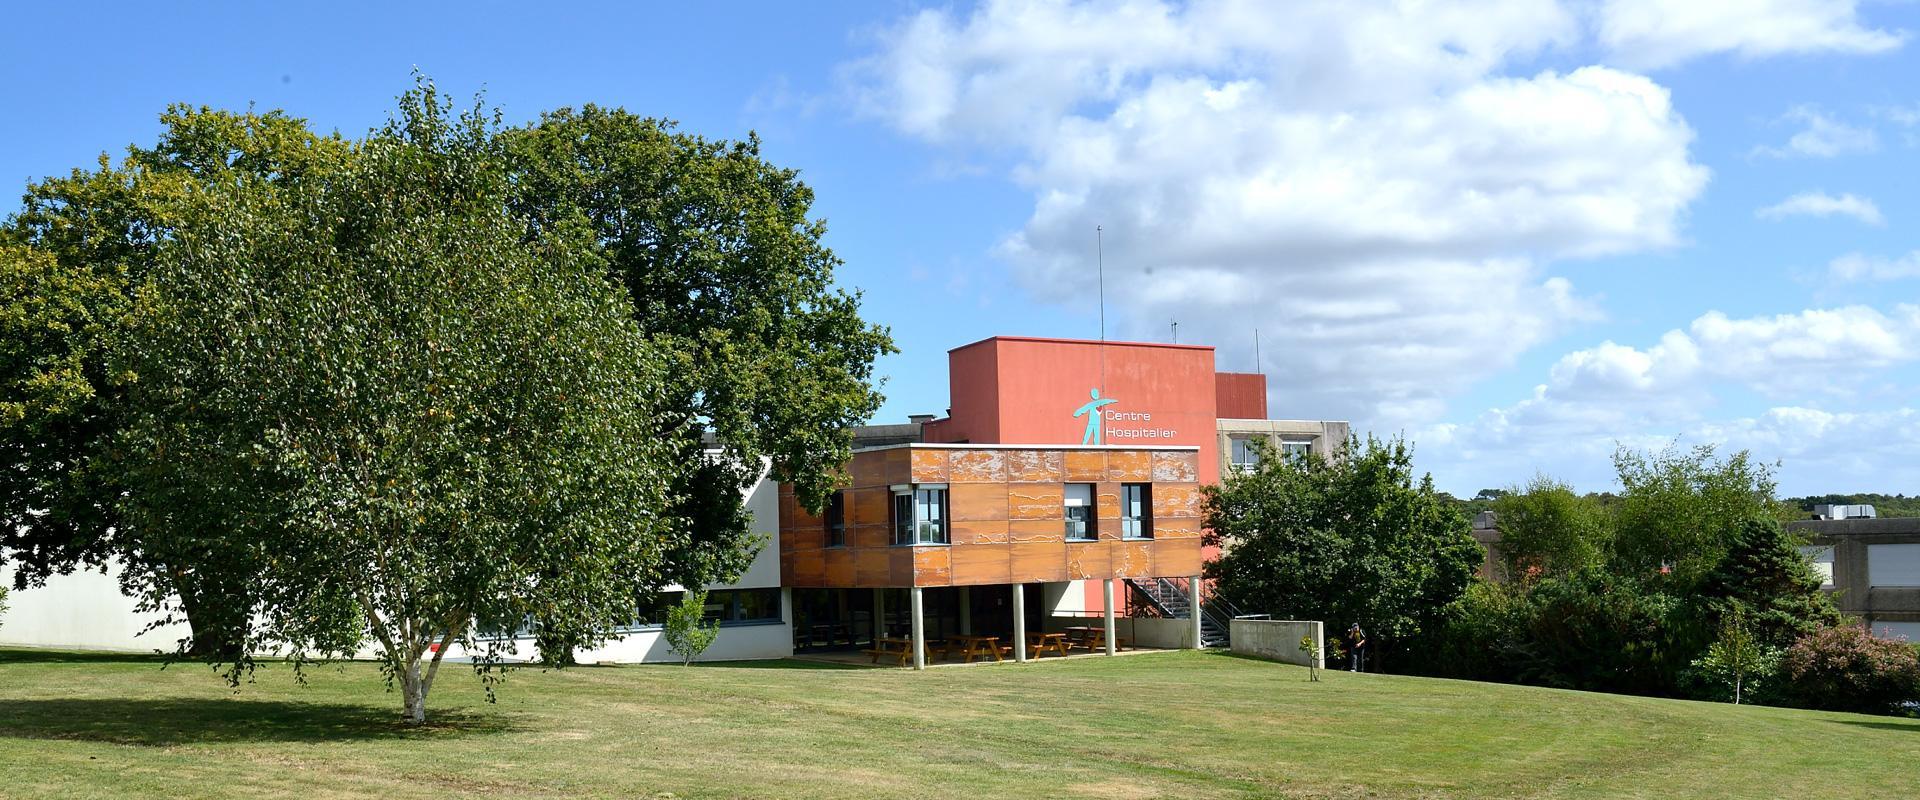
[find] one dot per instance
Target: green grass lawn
(1155, 725)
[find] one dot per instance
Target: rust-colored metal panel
(1176, 467)
(1174, 558)
(977, 501)
(1174, 500)
(873, 566)
(809, 567)
(900, 566)
(963, 533)
(929, 465)
(982, 564)
(839, 567)
(863, 536)
(1028, 531)
(868, 468)
(1034, 466)
(869, 506)
(1090, 560)
(1084, 466)
(976, 466)
(1177, 528)
(1038, 562)
(1129, 465)
(1035, 501)
(1133, 559)
(1107, 510)
(933, 566)
(896, 466)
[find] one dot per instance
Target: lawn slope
(1154, 725)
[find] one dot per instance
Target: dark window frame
(1090, 512)
(836, 519)
(1138, 526)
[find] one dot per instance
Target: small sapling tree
(687, 630)
(1312, 649)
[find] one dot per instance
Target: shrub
(1844, 668)
(3, 601)
(687, 631)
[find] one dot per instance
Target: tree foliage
(372, 399)
(733, 287)
(1547, 529)
(1356, 539)
(1678, 508)
(687, 630)
(79, 249)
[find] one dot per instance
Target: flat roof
(1109, 342)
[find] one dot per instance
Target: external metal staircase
(1168, 597)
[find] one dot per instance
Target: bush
(687, 631)
(3, 601)
(1844, 668)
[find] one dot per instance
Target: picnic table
(899, 649)
(830, 633)
(1093, 638)
(1040, 643)
(971, 646)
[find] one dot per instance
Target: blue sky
(1519, 233)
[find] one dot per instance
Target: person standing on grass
(1356, 649)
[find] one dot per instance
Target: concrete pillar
(788, 616)
(879, 615)
(966, 610)
(1020, 622)
(1193, 603)
(1108, 614)
(919, 631)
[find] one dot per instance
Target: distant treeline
(1885, 505)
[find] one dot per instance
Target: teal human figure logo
(1092, 412)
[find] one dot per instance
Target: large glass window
(1246, 455)
(1080, 515)
(903, 517)
(1296, 449)
(837, 519)
(920, 515)
(725, 606)
(1136, 510)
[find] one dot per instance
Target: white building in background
(86, 611)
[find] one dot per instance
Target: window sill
(1082, 540)
(925, 544)
(1136, 538)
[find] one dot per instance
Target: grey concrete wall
(1156, 631)
(1853, 589)
(1278, 639)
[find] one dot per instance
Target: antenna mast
(1257, 369)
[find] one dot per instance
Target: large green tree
(1548, 529)
(1678, 509)
(80, 247)
(767, 362)
(1353, 539)
(373, 399)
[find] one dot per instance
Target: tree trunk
(216, 612)
(414, 691)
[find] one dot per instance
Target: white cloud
(1660, 33)
(1860, 267)
(1821, 136)
(1362, 183)
(1601, 397)
(1821, 204)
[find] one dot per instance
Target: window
(1246, 454)
(1136, 511)
(1822, 558)
(1080, 515)
(837, 519)
(726, 606)
(920, 514)
(902, 517)
(1893, 564)
(1296, 449)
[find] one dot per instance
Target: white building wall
(81, 611)
(86, 611)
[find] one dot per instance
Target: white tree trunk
(414, 691)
